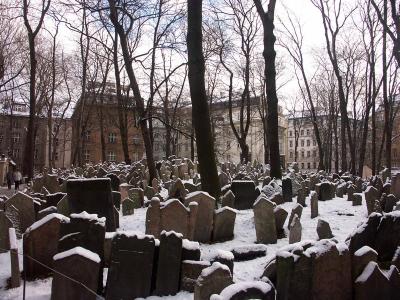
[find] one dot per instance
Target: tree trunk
(200, 111)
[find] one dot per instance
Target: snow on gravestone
(247, 290)
(131, 267)
(212, 280)
(169, 263)
(85, 276)
(93, 196)
(41, 244)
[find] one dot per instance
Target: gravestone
(41, 244)
(205, 214)
(93, 196)
(247, 290)
(12, 214)
(177, 190)
(212, 280)
(131, 267)
(47, 211)
(63, 206)
(174, 216)
(295, 230)
(5, 225)
(297, 210)
(15, 280)
(371, 195)
(287, 189)
(169, 263)
(264, 221)
(25, 207)
(324, 230)
(360, 259)
(357, 199)
(301, 197)
(115, 182)
(245, 193)
(137, 196)
(314, 204)
(191, 270)
(128, 207)
(153, 218)
(280, 218)
(85, 276)
(224, 224)
(116, 196)
(228, 199)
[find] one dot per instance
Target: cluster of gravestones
(365, 267)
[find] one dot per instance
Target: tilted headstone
(191, 270)
(314, 204)
(295, 229)
(296, 210)
(371, 195)
(280, 218)
(324, 230)
(26, 211)
(41, 244)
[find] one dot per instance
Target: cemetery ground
(342, 216)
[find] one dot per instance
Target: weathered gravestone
(287, 189)
(264, 221)
(325, 190)
(41, 244)
(25, 207)
(81, 265)
(224, 224)
(228, 199)
(280, 218)
(137, 196)
(93, 196)
(5, 225)
(245, 193)
(205, 215)
(295, 229)
(131, 267)
(297, 210)
(324, 230)
(128, 207)
(115, 182)
(191, 270)
(314, 204)
(371, 195)
(169, 263)
(212, 280)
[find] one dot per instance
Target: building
(14, 118)
(100, 111)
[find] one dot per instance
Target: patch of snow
(78, 251)
(47, 219)
(171, 232)
(233, 289)
(215, 266)
(190, 245)
(86, 216)
(364, 250)
(13, 238)
(368, 270)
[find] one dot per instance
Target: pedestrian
(17, 179)
(10, 178)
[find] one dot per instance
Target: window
(186, 147)
(308, 153)
(15, 153)
(56, 142)
(87, 135)
(302, 154)
(56, 156)
(15, 124)
(86, 155)
(111, 156)
(112, 137)
(16, 137)
(308, 143)
(19, 107)
(1, 138)
(290, 133)
(302, 143)
(314, 143)
(308, 131)
(309, 165)
(315, 153)
(291, 154)
(291, 143)
(302, 132)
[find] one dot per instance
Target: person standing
(17, 179)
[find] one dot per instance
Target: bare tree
(200, 109)
(267, 18)
(32, 33)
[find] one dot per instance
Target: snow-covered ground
(341, 215)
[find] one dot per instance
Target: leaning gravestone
(131, 267)
(169, 263)
(297, 210)
(264, 220)
(83, 266)
(26, 211)
(93, 196)
(41, 244)
(295, 230)
(137, 196)
(314, 204)
(371, 195)
(324, 230)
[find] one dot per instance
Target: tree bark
(200, 110)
